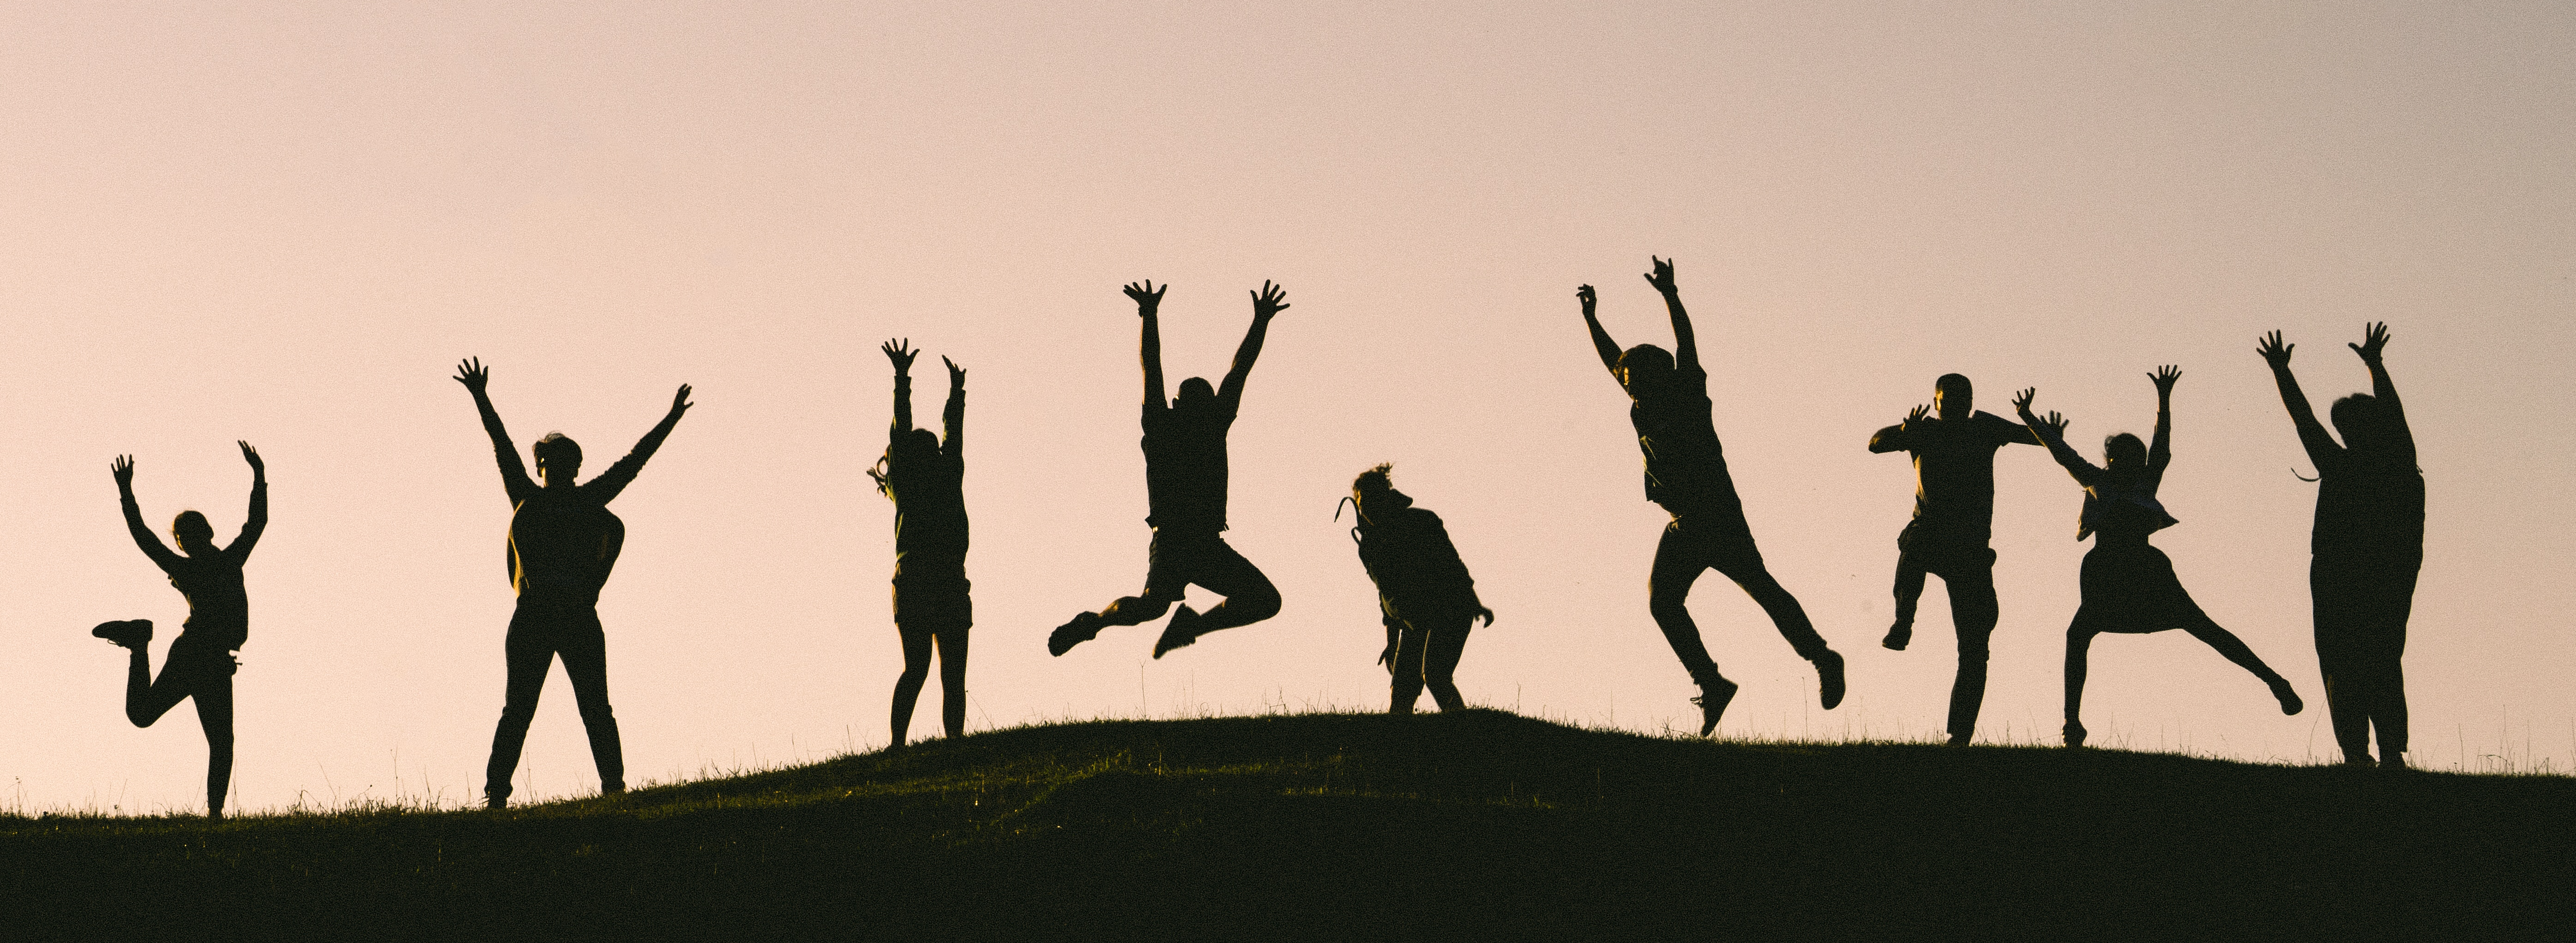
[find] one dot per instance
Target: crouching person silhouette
(2367, 548)
(1423, 590)
(1686, 473)
(563, 542)
(201, 662)
(1185, 484)
(2129, 585)
(924, 478)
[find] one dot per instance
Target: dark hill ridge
(1478, 824)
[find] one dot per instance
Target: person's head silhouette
(2123, 454)
(558, 459)
(1197, 397)
(2361, 422)
(1645, 370)
(1953, 397)
(1374, 494)
(196, 537)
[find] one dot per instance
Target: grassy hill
(1478, 824)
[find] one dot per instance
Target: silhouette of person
(563, 542)
(2365, 550)
(1423, 590)
(2129, 585)
(201, 662)
(931, 603)
(1185, 478)
(1686, 474)
(1953, 446)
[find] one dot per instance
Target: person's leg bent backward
(1973, 612)
(1406, 686)
(1441, 648)
(529, 651)
(1249, 596)
(584, 647)
(145, 699)
(952, 637)
(214, 694)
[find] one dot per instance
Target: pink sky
(285, 224)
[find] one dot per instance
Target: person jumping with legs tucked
(563, 542)
(1185, 477)
(1423, 590)
(1686, 473)
(201, 663)
(1954, 508)
(925, 479)
(2367, 547)
(2129, 585)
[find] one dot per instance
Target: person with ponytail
(932, 606)
(1423, 590)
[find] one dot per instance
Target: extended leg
(1442, 647)
(1678, 564)
(529, 654)
(585, 659)
(1745, 568)
(214, 696)
(2079, 642)
(952, 677)
(1406, 685)
(907, 686)
(2338, 659)
(1973, 612)
(2228, 645)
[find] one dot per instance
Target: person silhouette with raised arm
(932, 605)
(563, 542)
(1423, 591)
(1953, 446)
(201, 662)
(2365, 550)
(1185, 479)
(2128, 585)
(1686, 474)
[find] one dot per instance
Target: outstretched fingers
(2373, 339)
(1662, 276)
(471, 372)
(1270, 300)
(680, 400)
(2165, 376)
(2273, 350)
(2021, 401)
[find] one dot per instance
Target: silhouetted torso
(1185, 468)
(218, 607)
(563, 541)
(1954, 470)
(2369, 504)
(929, 511)
(1685, 465)
(1418, 574)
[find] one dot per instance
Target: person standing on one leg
(1185, 482)
(1423, 590)
(2129, 585)
(925, 479)
(2367, 547)
(1954, 508)
(202, 661)
(1686, 474)
(563, 542)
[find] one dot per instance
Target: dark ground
(1475, 825)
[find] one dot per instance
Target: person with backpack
(1424, 593)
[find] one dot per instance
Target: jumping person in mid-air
(563, 542)
(925, 479)
(2129, 585)
(1954, 509)
(201, 662)
(1185, 474)
(1686, 473)
(2367, 547)
(1423, 590)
